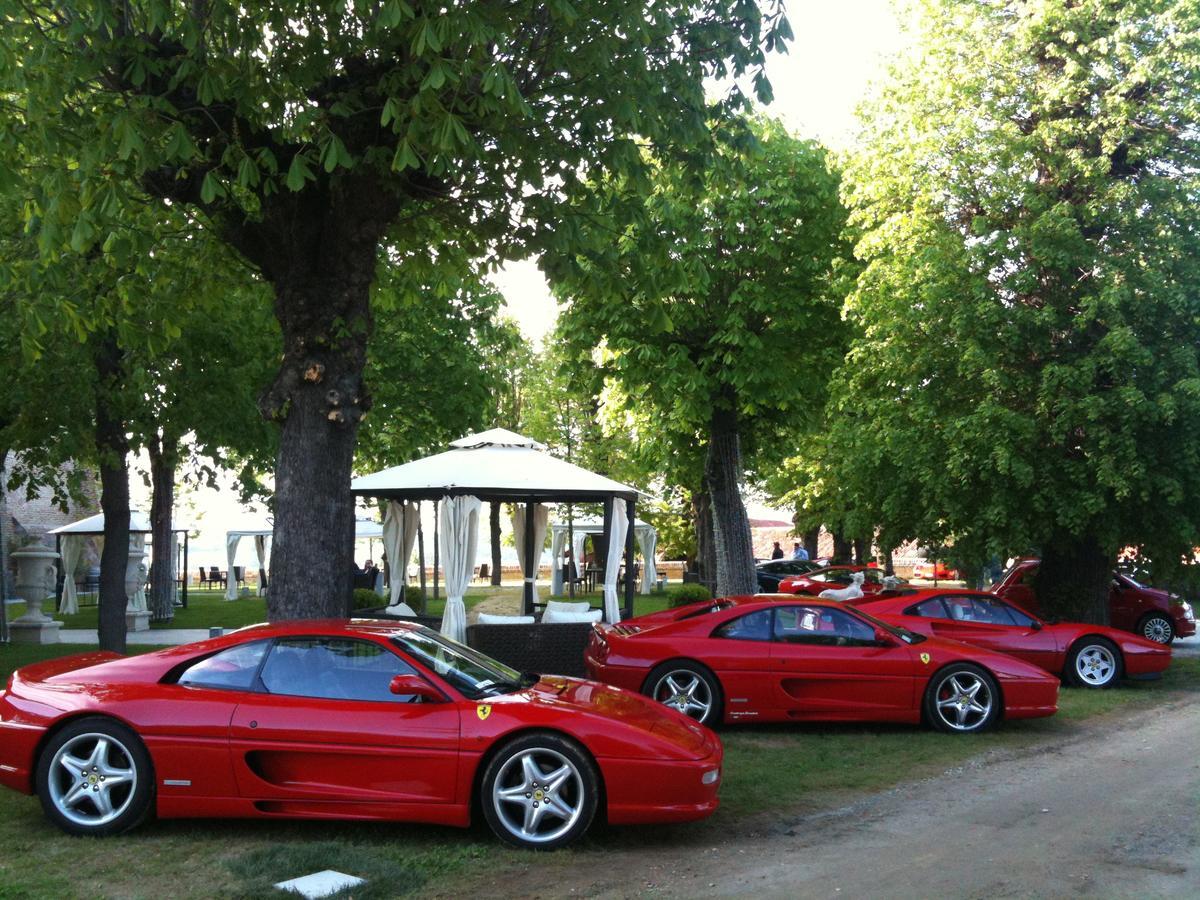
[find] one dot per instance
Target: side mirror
(884, 638)
(1037, 626)
(417, 686)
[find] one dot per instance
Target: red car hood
(591, 697)
(1002, 665)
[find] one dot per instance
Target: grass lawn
(767, 768)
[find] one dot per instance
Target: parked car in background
(835, 577)
(337, 719)
(771, 572)
(934, 571)
(1086, 655)
(776, 659)
(1154, 614)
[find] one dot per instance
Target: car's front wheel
(687, 687)
(94, 777)
(540, 792)
(1158, 628)
(962, 699)
(1094, 663)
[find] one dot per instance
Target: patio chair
(239, 575)
(216, 578)
(203, 577)
(484, 572)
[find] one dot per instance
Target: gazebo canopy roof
(492, 465)
(139, 523)
(592, 526)
(251, 527)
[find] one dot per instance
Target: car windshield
(474, 675)
(909, 637)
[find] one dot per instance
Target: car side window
(929, 609)
(1018, 617)
(233, 668)
(821, 625)
(755, 626)
(978, 609)
(334, 669)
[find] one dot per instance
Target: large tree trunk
(494, 528)
(1075, 578)
(164, 459)
(3, 549)
(862, 550)
(842, 550)
(706, 551)
(112, 449)
(812, 542)
(731, 526)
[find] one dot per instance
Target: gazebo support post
(629, 505)
(572, 564)
(60, 582)
(436, 529)
(421, 558)
(186, 570)
(530, 563)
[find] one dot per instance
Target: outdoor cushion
(553, 616)
(568, 606)
(489, 619)
(401, 609)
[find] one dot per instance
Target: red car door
(827, 665)
(739, 651)
(327, 728)
(993, 625)
(1017, 588)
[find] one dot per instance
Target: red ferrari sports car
(337, 719)
(835, 577)
(770, 658)
(1086, 655)
(934, 571)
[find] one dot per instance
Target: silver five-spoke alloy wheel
(686, 691)
(92, 779)
(963, 701)
(538, 795)
(1095, 665)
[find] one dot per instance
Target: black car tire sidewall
(143, 793)
(1081, 645)
(715, 711)
(1141, 629)
(929, 702)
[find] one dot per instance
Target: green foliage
(683, 594)
(364, 598)
(1028, 369)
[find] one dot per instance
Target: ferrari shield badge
(924, 659)
(483, 710)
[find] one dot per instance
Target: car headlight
(710, 777)
(1188, 612)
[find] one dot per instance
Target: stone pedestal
(36, 574)
(137, 620)
(137, 617)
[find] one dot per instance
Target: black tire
(666, 679)
(1157, 627)
(109, 795)
(954, 699)
(575, 791)
(1094, 662)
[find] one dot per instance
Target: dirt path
(1114, 810)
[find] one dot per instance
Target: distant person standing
(777, 551)
(798, 551)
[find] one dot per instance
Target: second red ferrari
(770, 658)
(1087, 655)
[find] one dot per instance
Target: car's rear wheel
(94, 777)
(1158, 628)
(962, 699)
(540, 791)
(1094, 663)
(687, 687)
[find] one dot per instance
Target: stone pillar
(36, 575)
(137, 616)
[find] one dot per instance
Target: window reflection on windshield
(909, 637)
(474, 675)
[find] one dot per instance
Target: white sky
(840, 47)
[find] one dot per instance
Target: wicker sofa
(554, 649)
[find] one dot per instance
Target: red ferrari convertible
(1086, 655)
(770, 658)
(342, 719)
(835, 577)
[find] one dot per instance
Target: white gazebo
(70, 540)
(561, 532)
(499, 466)
(261, 529)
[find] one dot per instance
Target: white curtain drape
(648, 541)
(541, 519)
(459, 534)
(72, 550)
(556, 562)
(231, 546)
(577, 551)
(137, 544)
(261, 542)
(616, 549)
(400, 521)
